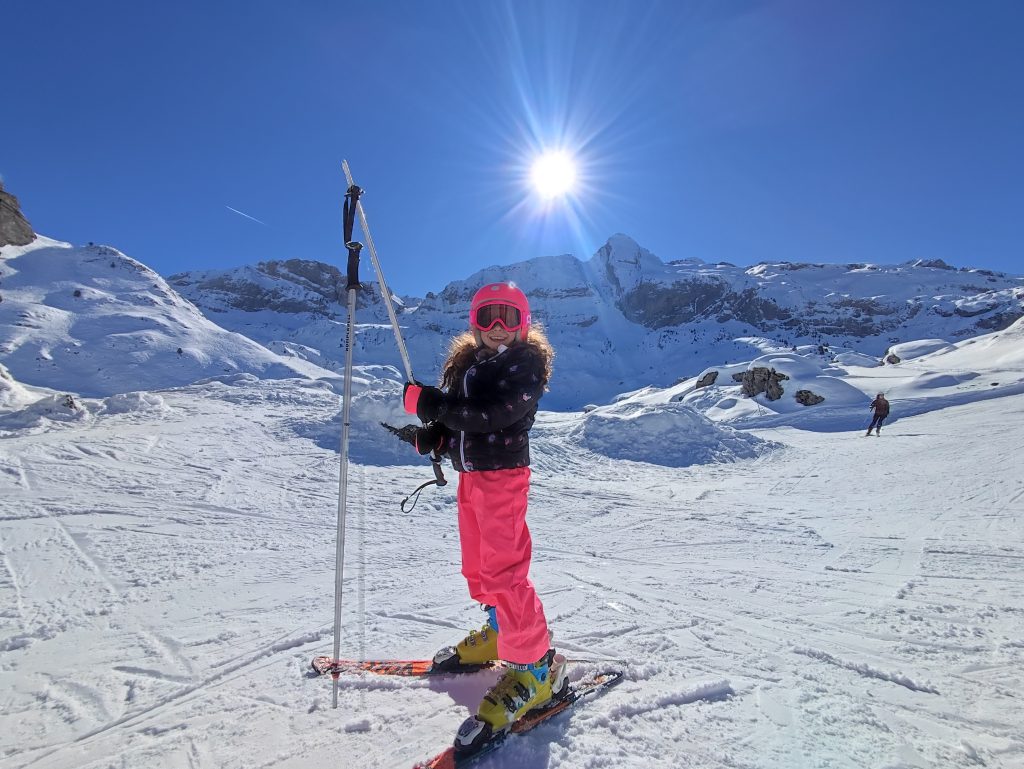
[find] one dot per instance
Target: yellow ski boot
(521, 689)
(476, 650)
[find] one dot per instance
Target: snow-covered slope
(942, 375)
(93, 321)
(624, 319)
(837, 601)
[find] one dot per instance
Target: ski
(322, 665)
(580, 692)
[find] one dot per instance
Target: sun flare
(553, 174)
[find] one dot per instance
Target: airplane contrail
(242, 213)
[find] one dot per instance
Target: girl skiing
(481, 417)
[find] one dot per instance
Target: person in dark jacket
(880, 407)
(481, 417)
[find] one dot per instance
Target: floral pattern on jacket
(490, 411)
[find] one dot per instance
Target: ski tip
(602, 680)
(444, 760)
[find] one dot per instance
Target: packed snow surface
(834, 601)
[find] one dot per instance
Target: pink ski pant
(496, 549)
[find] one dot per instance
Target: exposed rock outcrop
(761, 380)
(808, 398)
(708, 379)
(14, 227)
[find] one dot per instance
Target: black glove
(430, 438)
(426, 439)
(424, 402)
(407, 433)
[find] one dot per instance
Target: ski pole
(435, 457)
(351, 200)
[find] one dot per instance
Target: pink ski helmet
(500, 303)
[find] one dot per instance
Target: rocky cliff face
(811, 302)
(290, 287)
(14, 227)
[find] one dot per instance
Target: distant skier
(492, 380)
(880, 406)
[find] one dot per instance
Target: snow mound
(805, 374)
(911, 350)
(669, 434)
(135, 403)
(998, 350)
(44, 414)
(793, 365)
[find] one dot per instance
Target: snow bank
(670, 434)
(13, 394)
(998, 350)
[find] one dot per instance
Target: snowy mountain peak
(623, 264)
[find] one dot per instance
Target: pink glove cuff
(412, 396)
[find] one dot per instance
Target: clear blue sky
(810, 130)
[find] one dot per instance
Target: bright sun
(553, 174)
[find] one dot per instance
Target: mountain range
(620, 320)
(623, 318)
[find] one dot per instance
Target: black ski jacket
(489, 411)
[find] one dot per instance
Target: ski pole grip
(353, 264)
(354, 247)
(435, 460)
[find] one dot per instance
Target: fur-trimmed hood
(464, 348)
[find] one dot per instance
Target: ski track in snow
(838, 602)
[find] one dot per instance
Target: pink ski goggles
(504, 315)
